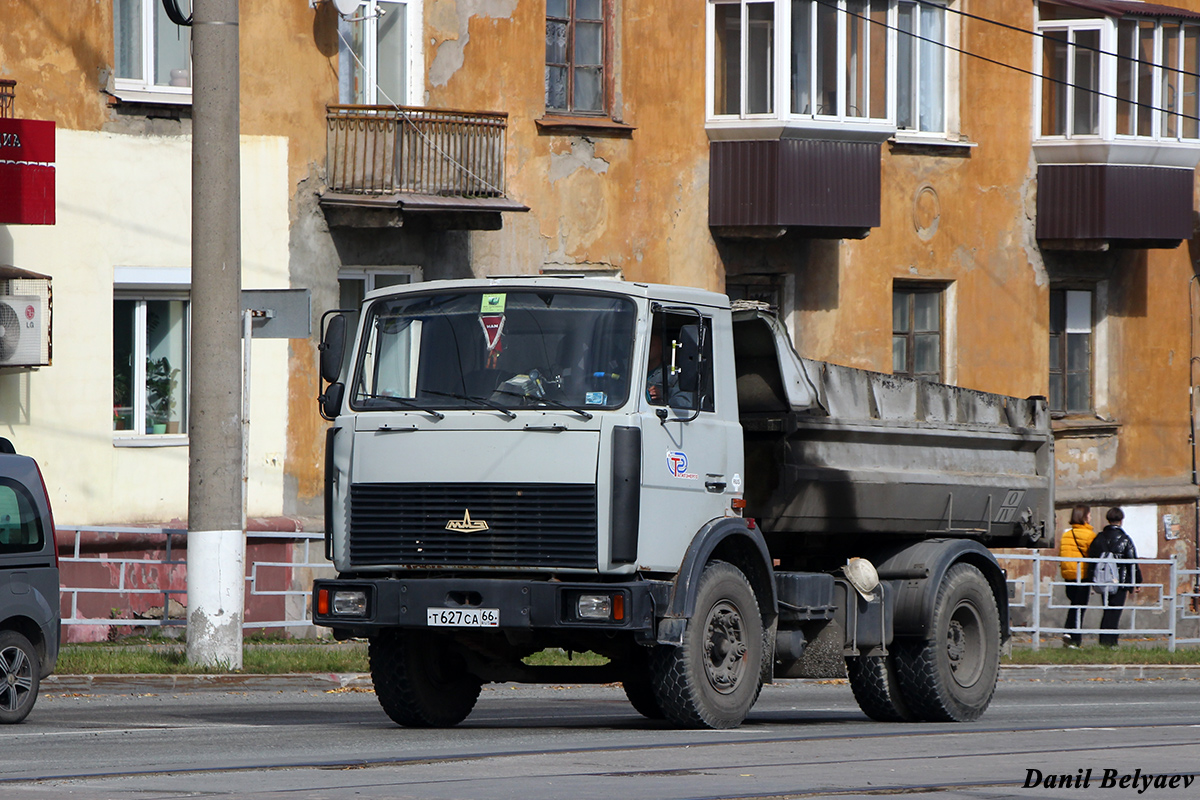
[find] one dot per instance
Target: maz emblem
(466, 524)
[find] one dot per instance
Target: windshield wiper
(549, 401)
(400, 401)
(473, 399)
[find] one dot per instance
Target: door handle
(716, 487)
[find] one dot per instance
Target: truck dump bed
(838, 450)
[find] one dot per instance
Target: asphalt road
(803, 739)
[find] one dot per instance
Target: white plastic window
(152, 53)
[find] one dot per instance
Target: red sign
(27, 140)
(26, 172)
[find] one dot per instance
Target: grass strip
(316, 657)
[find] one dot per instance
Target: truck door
(686, 477)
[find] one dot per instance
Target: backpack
(1106, 578)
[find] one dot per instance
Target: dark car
(29, 611)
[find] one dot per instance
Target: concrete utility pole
(216, 551)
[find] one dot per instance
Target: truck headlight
(603, 607)
(350, 603)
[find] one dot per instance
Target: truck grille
(545, 525)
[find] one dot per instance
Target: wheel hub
(725, 648)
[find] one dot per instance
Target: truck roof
(651, 291)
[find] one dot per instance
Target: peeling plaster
(1028, 222)
(1082, 464)
(582, 156)
(449, 58)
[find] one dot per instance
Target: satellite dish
(346, 7)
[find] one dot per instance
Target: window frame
(139, 400)
(1113, 54)
(917, 66)
(1063, 350)
(911, 289)
(879, 121)
(607, 65)
(145, 88)
(367, 15)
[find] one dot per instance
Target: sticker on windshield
(493, 304)
(677, 462)
(595, 399)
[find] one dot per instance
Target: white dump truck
(654, 475)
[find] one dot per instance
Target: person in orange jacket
(1075, 542)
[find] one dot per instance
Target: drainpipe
(1192, 359)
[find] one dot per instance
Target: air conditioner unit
(21, 331)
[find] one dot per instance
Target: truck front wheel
(714, 677)
(952, 676)
(421, 680)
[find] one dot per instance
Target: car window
(20, 529)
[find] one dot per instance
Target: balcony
(388, 166)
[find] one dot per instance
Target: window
(150, 364)
(1070, 351)
(380, 45)
(354, 283)
(878, 63)
(921, 68)
(1071, 82)
(745, 53)
(917, 331)
(1113, 78)
(577, 56)
(152, 53)
(20, 527)
(671, 379)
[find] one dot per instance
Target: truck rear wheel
(876, 688)
(421, 680)
(20, 670)
(713, 678)
(952, 676)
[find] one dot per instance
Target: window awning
(1127, 8)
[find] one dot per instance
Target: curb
(139, 684)
(332, 682)
(1100, 672)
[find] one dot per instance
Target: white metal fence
(1038, 604)
(154, 572)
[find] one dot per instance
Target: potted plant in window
(161, 380)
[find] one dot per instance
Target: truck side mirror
(687, 358)
(333, 348)
(331, 400)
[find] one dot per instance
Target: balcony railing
(8, 91)
(380, 150)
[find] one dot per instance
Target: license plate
(463, 617)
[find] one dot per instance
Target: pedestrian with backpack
(1113, 580)
(1075, 542)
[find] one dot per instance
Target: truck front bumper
(360, 607)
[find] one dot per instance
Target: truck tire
(714, 677)
(639, 686)
(420, 680)
(952, 676)
(876, 688)
(20, 670)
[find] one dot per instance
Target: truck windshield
(498, 350)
